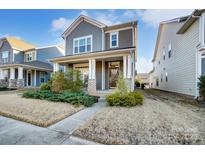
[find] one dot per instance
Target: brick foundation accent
(3, 83)
(92, 86)
(12, 83)
(20, 83)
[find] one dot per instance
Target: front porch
(22, 76)
(101, 73)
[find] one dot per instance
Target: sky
(44, 27)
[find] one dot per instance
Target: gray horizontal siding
(125, 39)
(84, 29)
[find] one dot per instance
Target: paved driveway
(17, 132)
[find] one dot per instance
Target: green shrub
(45, 86)
(59, 82)
(67, 97)
(201, 85)
(128, 99)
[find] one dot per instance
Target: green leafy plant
(46, 86)
(201, 85)
(59, 82)
(76, 99)
(121, 85)
(127, 100)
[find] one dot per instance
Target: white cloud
(60, 24)
(154, 17)
(144, 65)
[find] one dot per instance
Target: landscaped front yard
(157, 121)
(35, 111)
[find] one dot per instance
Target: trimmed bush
(67, 97)
(46, 86)
(201, 85)
(127, 100)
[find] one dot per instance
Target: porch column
(20, 73)
(92, 68)
(1, 74)
(103, 74)
(66, 68)
(56, 67)
(12, 73)
(125, 66)
(92, 80)
(128, 66)
(35, 78)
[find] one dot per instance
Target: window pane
(82, 49)
(114, 37)
(89, 41)
(76, 50)
(76, 43)
(5, 54)
(82, 42)
(88, 47)
(114, 43)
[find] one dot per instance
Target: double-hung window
(114, 40)
(42, 77)
(82, 44)
(5, 56)
(29, 56)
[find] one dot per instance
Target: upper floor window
(169, 50)
(113, 39)
(166, 77)
(82, 44)
(29, 56)
(5, 56)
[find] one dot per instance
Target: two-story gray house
(100, 52)
(24, 65)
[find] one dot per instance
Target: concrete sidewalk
(17, 132)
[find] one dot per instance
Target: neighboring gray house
(100, 52)
(24, 65)
(179, 58)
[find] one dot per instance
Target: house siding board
(99, 75)
(18, 57)
(45, 54)
(84, 29)
(125, 39)
(6, 47)
(181, 67)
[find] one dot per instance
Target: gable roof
(192, 18)
(176, 20)
(18, 44)
(80, 19)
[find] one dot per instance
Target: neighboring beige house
(100, 52)
(144, 78)
(179, 58)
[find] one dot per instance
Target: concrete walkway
(17, 132)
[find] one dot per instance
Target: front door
(29, 78)
(114, 68)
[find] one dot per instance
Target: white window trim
(202, 29)
(117, 34)
(6, 57)
(78, 39)
(30, 53)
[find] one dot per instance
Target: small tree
(121, 85)
(74, 82)
(59, 82)
(201, 85)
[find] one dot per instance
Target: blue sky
(44, 27)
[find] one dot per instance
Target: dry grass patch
(34, 111)
(155, 122)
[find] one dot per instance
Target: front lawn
(154, 122)
(35, 111)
